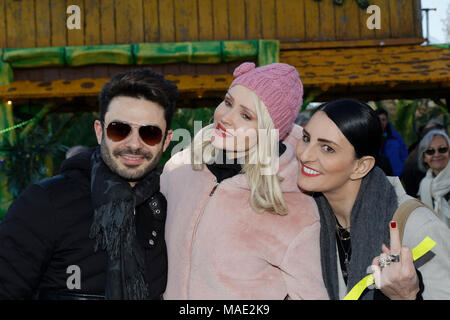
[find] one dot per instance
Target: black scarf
(224, 169)
(227, 168)
(114, 228)
(371, 213)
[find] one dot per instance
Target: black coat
(46, 230)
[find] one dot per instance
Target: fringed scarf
(114, 228)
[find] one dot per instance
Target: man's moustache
(138, 152)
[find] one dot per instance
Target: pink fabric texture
(220, 248)
(279, 86)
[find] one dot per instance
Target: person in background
(356, 204)
(412, 174)
(392, 146)
(237, 227)
(433, 158)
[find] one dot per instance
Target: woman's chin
(307, 186)
(218, 142)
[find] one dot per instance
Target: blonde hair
(264, 183)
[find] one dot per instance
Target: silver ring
(384, 261)
(394, 258)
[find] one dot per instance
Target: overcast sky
(437, 19)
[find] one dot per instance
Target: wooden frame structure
(134, 56)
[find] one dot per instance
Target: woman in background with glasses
(435, 186)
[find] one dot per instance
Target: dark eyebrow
(321, 139)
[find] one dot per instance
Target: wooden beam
(92, 87)
(349, 43)
(382, 66)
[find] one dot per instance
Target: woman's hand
(397, 280)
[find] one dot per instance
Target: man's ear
(98, 131)
(169, 136)
(362, 167)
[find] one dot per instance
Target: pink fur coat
(220, 248)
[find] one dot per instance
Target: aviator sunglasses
(432, 151)
(117, 131)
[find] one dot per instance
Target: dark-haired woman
(356, 203)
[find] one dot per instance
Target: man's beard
(129, 174)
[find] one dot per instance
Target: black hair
(359, 124)
(381, 111)
(142, 84)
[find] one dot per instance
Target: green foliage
(77, 129)
(405, 123)
(309, 98)
(444, 109)
(411, 114)
(25, 161)
(39, 153)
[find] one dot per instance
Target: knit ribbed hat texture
(279, 86)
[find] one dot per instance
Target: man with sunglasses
(96, 230)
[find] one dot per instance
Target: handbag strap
(403, 212)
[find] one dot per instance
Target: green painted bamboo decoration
(268, 52)
(6, 73)
(34, 57)
(107, 54)
(201, 52)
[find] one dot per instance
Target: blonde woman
(237, 226)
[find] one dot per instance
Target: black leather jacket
(46, 231)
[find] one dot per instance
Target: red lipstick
(309, 172)
(222, 131)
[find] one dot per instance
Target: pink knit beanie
(279, 86)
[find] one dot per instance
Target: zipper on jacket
(214, 189)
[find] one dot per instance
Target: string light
(17, 126)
